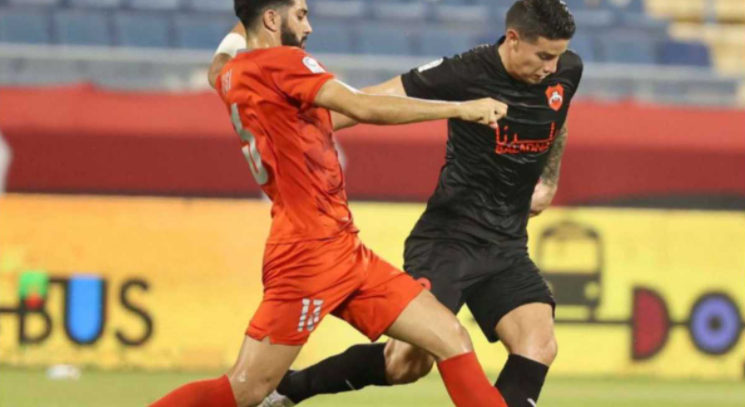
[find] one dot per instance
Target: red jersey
(288, 141)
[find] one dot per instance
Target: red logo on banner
(555, 95)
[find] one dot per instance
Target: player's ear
(513, 38)
(272, 20)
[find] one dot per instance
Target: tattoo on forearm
(553, 167)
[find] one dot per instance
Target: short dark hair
(249, 11)
(550, 19)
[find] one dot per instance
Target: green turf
(31, 388)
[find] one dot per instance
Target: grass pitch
(31, 388)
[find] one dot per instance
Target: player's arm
(549, 183)
(234, 41)
(391, 87)
(390, 109)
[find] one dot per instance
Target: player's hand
(542, 197)
(483, 111)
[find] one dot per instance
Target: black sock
(521, 379)
(357, 367)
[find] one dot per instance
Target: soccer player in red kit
(280, 101)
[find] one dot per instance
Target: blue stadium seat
(584, 46)
(348, 9)
(96, 3)
(201, 32)
(224, 6)
(24, 26)
(76, 27)
(395, 11)
(155, 4)
(684, 53)
(628, 50)
(35, 2)
(632, 6)
(643, 23)
(332, 38)
(142, 30)
(439, 42)
(577, 5)
(595, 18)
(465, 14)
(378, 39)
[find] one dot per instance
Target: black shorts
(492, 280)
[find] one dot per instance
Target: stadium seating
(415, 12)
(167, 5)
(332, 38)
(439, 42)
(463, 14)
(35, 2)
(142, 29)
(627, 50)
(78, 27)
(375, 39)
(25, 27)
(585, 47)
(683, 53)
(348, 10)
(382, 27)
(224, 6)
(96, 3)
(197, 32)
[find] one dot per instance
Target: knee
(457, 339)
(249, 393)
(541, 348)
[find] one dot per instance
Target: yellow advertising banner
(170, 283)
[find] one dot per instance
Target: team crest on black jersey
(555, 95)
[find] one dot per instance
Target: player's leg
(379, 364)
(394, 362)
(393, 303)
(528, 334)
(429, 325)
(257, 371)
(303, 282)
(516, 307)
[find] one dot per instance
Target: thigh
(519, 284)
(427, 324)
(385, 292)
(446, 268)
(303, 282)
(528, 330)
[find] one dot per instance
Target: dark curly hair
(550, 19)
(248, 11)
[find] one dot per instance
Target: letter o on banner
(715, 323)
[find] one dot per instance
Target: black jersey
(485, 188)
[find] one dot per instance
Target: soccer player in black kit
(470, 245)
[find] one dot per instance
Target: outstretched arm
(234, 41)
(549, 182)
(387, 109)
(392, 87)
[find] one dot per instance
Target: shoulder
(477, 58)
(288, 58)
(278, 55)
(466, 65)
(571, 65)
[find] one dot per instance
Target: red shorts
(305, 281)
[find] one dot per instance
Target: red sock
(467, 383)
(206, 393)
